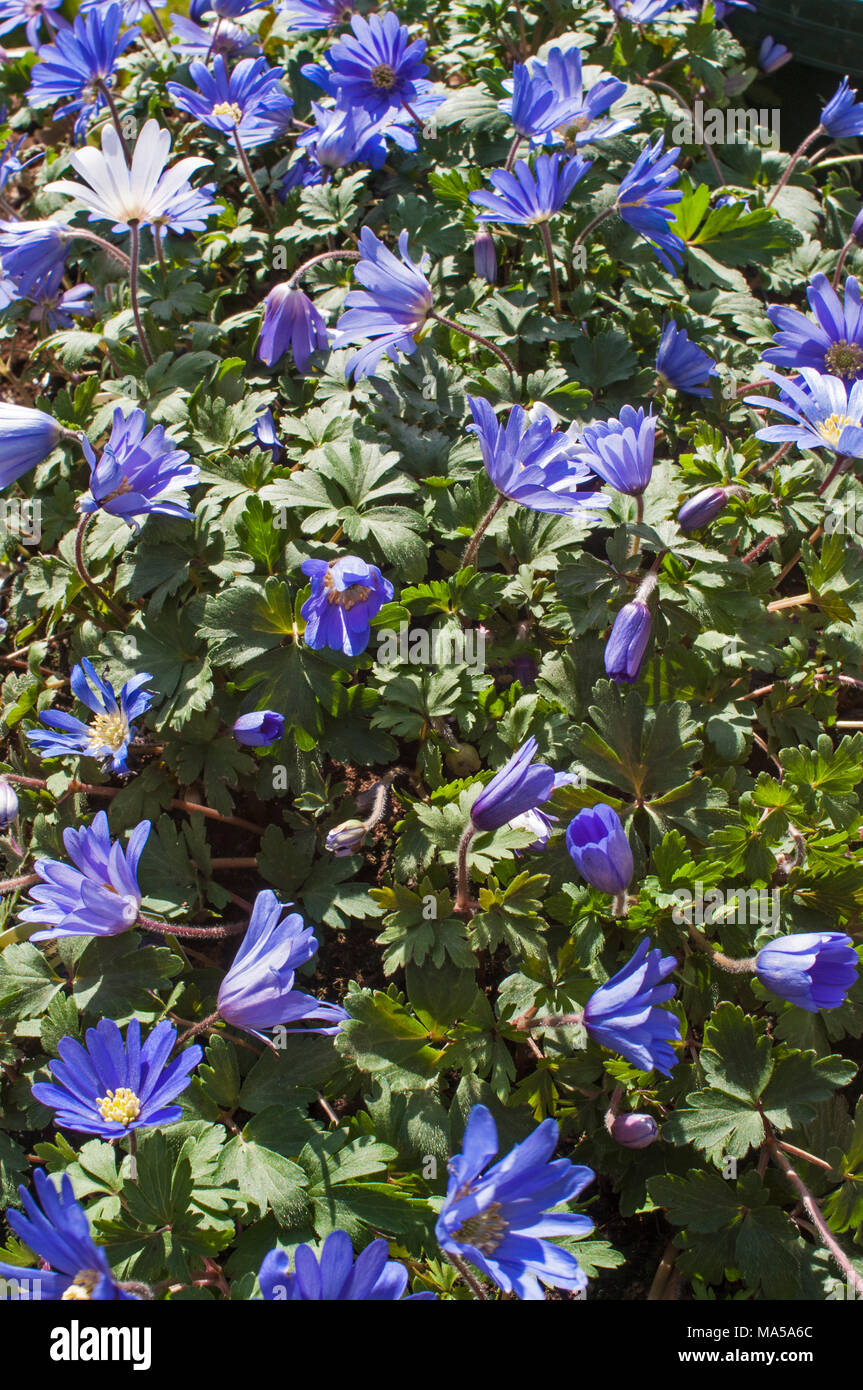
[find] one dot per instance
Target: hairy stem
(134, 260)
(461, 905)
(473, 544)
(797, 155)
(250, 178)
(116, 613)
(477, 338)
(813, 1211)
(552, 268)
(322, 256)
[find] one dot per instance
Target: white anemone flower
(117, 193)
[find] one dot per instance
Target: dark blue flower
(110, 1087)
(266, 438)
(258, 990)
(377, 67)
(842, 117)
(346, 594)
(548, 102)
(521, 785)
(250, 100)
(226, 9)
(59, 1233)
(107, 736)
(683, 365)
(525, 196)
(621, 450)
(598, 847)
(701, 509)
(291, 321)
(484, 256)
(773, 55)
(623, 1016)
(634, 1131)
(857, 230)
(813, 970)
(260, 729)
(80, 64)
(187, 209)
(627, 643)
(391, 313)
(532, 463)
(10, 164)
(26, 438)
(831, 342)
(55, 310)
(8, 804)
(100, 896)
(138, 472)
(500, 1218)
(350, 135)
(827, 415)
(644, 199)
(333, 1276)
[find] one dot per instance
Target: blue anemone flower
(683, 365)
(260, 729)
(548, 102)
(532, 463)
(31, 252)
(349, 135)
(520, 786)
(26, 438)
(597, 845)
(303, 15)
(55, 1227)
(10, 164)
(500, 1217)
(291, 321)
(80, 64)
(55, 310)
(110, 1086)
(258, 990)
(250, 101)
(100, 896)
(526, 195)
(643, 11)
(842, 117)
(620, 450)
(376, 67)
(813, 970)
(346, 594)
(138, 472)
(391, 312)
(107, 736)
(30, 13)
(644, 198)
(623, 1015)
(831, 342)
(188, 209)
(827, 415)
(332, 1275)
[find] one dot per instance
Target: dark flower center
(484, 1231)
(844, 358)
(383, 76)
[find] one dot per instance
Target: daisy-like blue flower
(250, 101)
(642, 11)
(138, 472)
(597, 845)
(813, 970)
(621, 450)
(376, 67)
(108, 734)
(349, 135)
(831, 342)
(80, 64)
(526, 195)
(10, 164)
(112, 1086)
(31, 252)
(644, 199)
(26, 438)
(53, 310)
(333, 1276)
(100, 896)
(520, 786)
(683, 365)
(346, 594)
(842, 117)
(219, 36)
(532, 463)
(57, 1230)
(392, 309)
(623, 1015)
(772, 55)
(500, 1217)
(303, 15)
(548, 102)
(291, 321)
(827, 415)
(30, 13)
(258, 990)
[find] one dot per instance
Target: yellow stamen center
(831, 428)
(109, 730)
(81, 1287)
(383, 77)
(228, 108)
(122, 1106)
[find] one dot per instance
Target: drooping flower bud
(813, 970)
(634, 1131)
(344, 839)
(259, 729)
(8, 804)
(484, 256)
(462, 760)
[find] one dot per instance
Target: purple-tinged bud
(344, 839)
(857, 228)
(773, 55)
(625, 648)
(701, 509)
(484, 256)
(260, 729)
(634, 1131)
(597, 845)
(8, 804)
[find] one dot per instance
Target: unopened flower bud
(462, 760)
(634, 1131)
(701, 509)
(484, 256)
(344, 839)
(260, 729)
(857, 228)
(625, 648)
(8, 804)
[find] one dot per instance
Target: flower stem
(11, 885)
(840, 264)
(461, 906)
(134, 258)
(218, 26)
(115, 115)
(79, 234)
(316, 260)
(797, 155)
(552, 269)
(473, 544)
(594, 222)
(160, 30)
(745, 965)
(180, 929)
(458, 1263)
(250, 178)
(513, 151)
(196, 1028)
(813, 1211)
(80, 534)
(477, 338)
